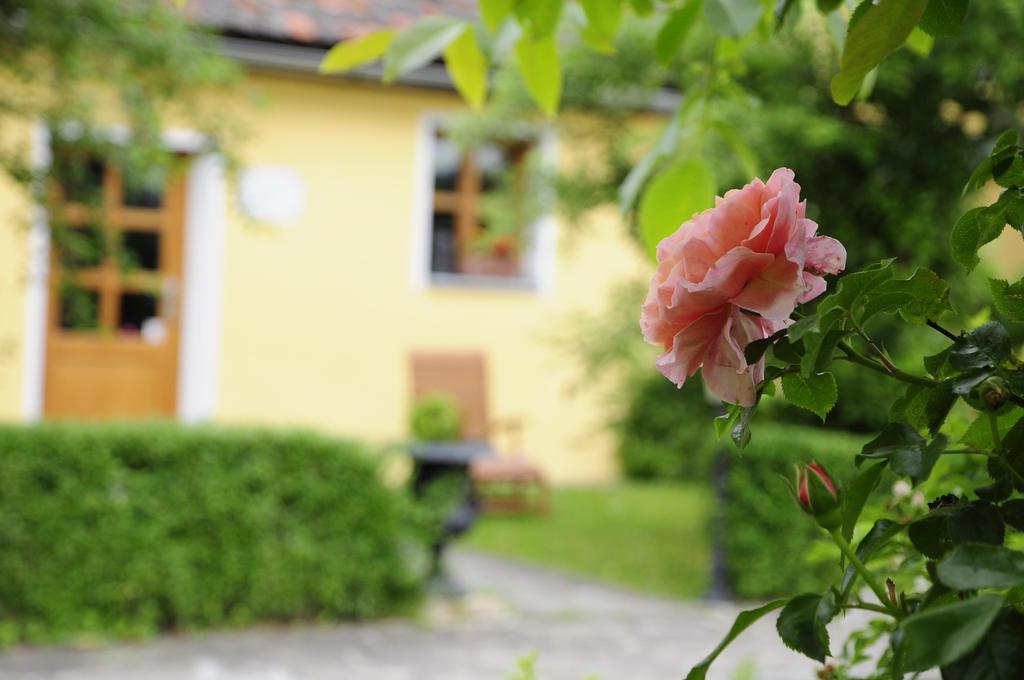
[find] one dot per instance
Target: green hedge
(769, 542)
(131, 529)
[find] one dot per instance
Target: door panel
(112, 338)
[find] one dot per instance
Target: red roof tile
(316, 22)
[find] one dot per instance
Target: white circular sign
(272, 194)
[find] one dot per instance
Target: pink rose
(731, 275)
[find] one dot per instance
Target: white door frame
(203, 274)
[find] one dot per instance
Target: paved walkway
(577, 627)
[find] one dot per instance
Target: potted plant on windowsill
(496, 255)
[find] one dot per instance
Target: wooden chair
(505, 482)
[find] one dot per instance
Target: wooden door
(115, 281)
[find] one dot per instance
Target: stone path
(577, 627)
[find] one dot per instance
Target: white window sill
(520, 283)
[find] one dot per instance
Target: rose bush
(731, 275)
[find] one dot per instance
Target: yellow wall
(320, 319)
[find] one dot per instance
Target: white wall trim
(201, 310)
(37, 289)
(542, 257)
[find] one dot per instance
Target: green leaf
(420, 44)
(818, 350)
(641, 172)
(999, 656)
(732, 18)
(979, 434)
(352, 53)
(879, 29)
(740, 149)
(973, 566)
(906, 451)
(984, 347)
(921, 297)
(675, 29)
(816, 393)
(981, 175)
(540, 66)
(467, 67)
(539, 17)
(800, 627)
(827, 6)
(642, 7)
(940, 635)
(919, 42)
(930, 534)
(857, 495)
(603, 17)
(853, 288)
(979, 226)
(672, 198)
(494, 12)
(977, 522)
(1013, 513)
(943, 17)
(940, 402)
(743, 621)
(1008, 298)
(880, 534)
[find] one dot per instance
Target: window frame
(536, 260)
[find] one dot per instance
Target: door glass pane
(135, 310)
(79, 247)
(79, 174)
(79, 308)
(140, 250)
(145, 189)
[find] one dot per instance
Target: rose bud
(818, 495)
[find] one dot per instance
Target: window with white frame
(484, 212)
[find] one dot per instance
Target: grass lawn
(649, 537)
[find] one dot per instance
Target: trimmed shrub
(132, 529)
(435, 418)
(768, 539)
(666, 432)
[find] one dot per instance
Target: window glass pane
(79, 247)
(494, 161)
(145, 189)
(136, 308)
(140, 250)
(447, 159)
(443, 257)
(79, 308)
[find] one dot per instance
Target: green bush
(666, 432)
(767, 538)
(435, 418)
(131, 529)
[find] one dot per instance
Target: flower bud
(992, 393)
(818, 496)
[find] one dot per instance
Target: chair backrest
(462, 376)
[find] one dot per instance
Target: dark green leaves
(732, 18)
(1008, 298)
(940, 635)
(817, 393)
(907, 451)
(943, 17)
(880, 534)
(875, 31)
(975, 228)
(743, 621)
(801, 624)
(673, 197)
(930, 535)
(1013, 513)
(977, 522)
(999, 656)
(539, 17)
(973, 566)
(922, 296)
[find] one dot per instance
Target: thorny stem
(949, 334)
(856, 357)
(868, 577)
(869, 607)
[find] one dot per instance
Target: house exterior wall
(319, 317)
